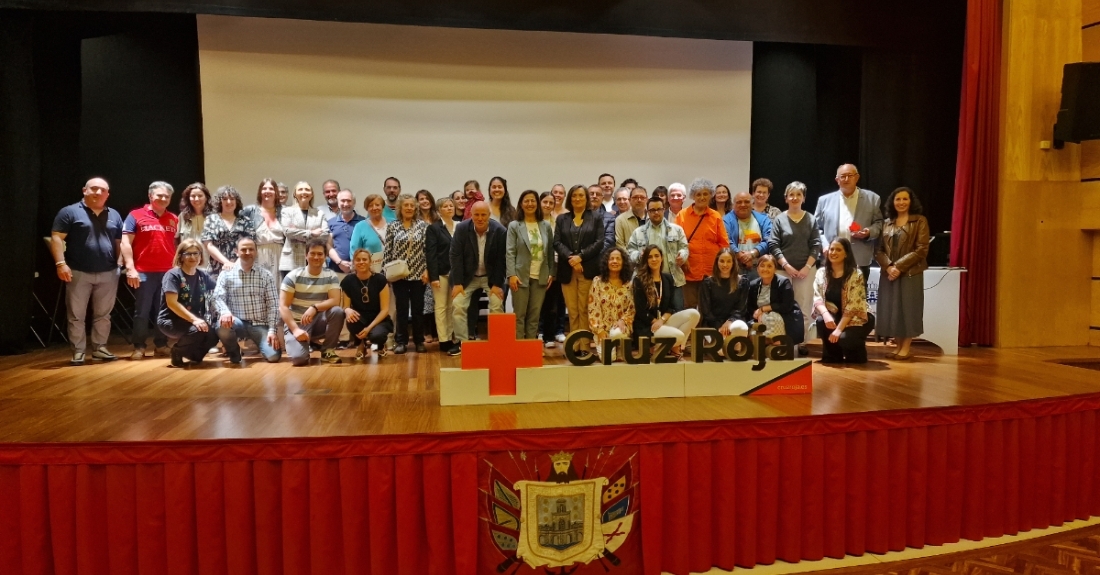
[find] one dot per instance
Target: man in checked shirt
(247, 300)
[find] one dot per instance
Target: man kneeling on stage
(247, 300)
(310, 307)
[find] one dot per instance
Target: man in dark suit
(477, 262)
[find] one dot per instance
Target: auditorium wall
(437, 106)
(1045, 251)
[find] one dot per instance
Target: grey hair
(700, 184)
(159, 185)
(622, 189)
(677, 186)
(401, 199)
(795, 186)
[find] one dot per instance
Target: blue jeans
(678, 299)
(245, 330)
(146, 307)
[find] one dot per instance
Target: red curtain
(974, 220)
(724, 493)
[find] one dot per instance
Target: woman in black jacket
(771, 302)
(654, 313)
(438, 248)
(578, 239)
(723, 296)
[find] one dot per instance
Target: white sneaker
(560, 337)
(548, 345)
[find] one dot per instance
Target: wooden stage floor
(43, 399)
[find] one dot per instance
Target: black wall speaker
(1079, 116)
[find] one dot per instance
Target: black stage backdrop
(116, 93)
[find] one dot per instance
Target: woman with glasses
(183, 309)
(366, 306)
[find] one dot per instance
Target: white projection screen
(303, 100)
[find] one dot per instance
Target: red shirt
(154, 239)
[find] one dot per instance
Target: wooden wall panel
(1039, 37)
(1090, 44)
(1090, 12)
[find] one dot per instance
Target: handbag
(396, 270)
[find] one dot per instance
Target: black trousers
(377, 334)
(552, 320)
(851, 346)
(409, 292)
(192, 344)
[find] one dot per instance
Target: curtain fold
(974, 218)
(713, 495)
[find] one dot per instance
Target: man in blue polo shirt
(84, 242)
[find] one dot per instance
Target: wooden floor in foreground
(43, 399)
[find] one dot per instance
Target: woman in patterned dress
(405, 240)
(611, 298)
(195, 206)
(223, 228)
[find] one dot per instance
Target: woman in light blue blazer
(528, 263)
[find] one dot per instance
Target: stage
(133, 467)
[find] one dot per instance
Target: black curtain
(82, 95)
(19, 174)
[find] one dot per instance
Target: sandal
(362, 354)
(899, 357)
(892, 355)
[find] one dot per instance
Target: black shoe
(455, 351)
(445, 346)
(421, 348)
(177, 358)
(802, 351)
(400, 349)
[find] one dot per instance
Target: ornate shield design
(560, 522)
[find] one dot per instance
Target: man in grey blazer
(853, 213)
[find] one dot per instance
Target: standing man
(340, 228)
(748, 231)
(606, 183)
(595, 201)
(676, 195)
(310, 308)
(283, 191)
(392, 188)
(630, 219)
(706, 234)
(622, 204)
(247, 300)
(669, 238)
(149, 250)
(331, 188)
(851, 212)
(84, 243)
(477, 262)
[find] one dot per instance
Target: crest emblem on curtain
(561, 517)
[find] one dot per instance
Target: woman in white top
(528, 263)
(301, 222)
(195, 205)
(269, 230)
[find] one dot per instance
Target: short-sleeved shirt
(308, 289)
(192, 292)
(89, 239)
(365, 295)
(154, 241)
(341, 237)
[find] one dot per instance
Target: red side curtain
(974, 220)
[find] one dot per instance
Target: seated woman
(840, 305)
(183, 307)
(366, 305)
(610, 300)
(771, 302)
(653, 309)
(723, 297)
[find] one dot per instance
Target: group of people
(283, 275)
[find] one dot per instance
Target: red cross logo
(502, 354)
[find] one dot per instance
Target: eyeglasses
(846, 176)
(366, 294)
(192, 254)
